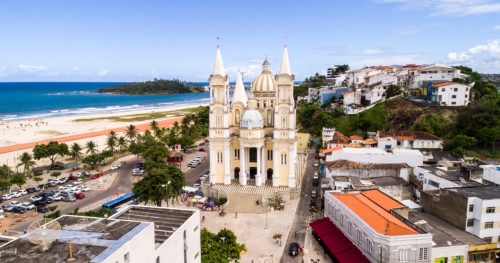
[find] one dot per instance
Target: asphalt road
(301, 218)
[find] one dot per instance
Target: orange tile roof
(355, 137)
(375, 215)
(404, 138)
(369, 141)
(329, 150)
(381, 199)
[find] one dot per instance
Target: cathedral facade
(253, 134)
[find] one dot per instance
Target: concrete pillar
(258, 176)
(243, 168)
(276, 167)
(264, 169)
(291, 165)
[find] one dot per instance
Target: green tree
(160, 184)
(26, 161)
(131, 132)
(91, 147)
(122, 143)
(37, 178)
(18, 179)
(222, 247)
(51, 151)
(489, 136)
(462, 143)
(341, 69)
(393, 90)
(5, 172)
(154, 125)
(5, 184)
(111, 144)
(76, 152)
(55, 174)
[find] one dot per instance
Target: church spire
(219, 66)
(239, 91)
(285, 63)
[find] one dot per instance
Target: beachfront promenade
(140, 128)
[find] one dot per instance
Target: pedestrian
(203, 219)
(236, 215)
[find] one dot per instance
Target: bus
(115, 203)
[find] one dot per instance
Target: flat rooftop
(451, 175)
(166, 220)
(443, 233)
(487, 192)
(93, 239)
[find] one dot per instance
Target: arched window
(270, 117)
(403, 254)
(237, 116)
(283, 120)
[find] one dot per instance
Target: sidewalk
(313, 250)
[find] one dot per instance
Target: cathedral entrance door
(253, 172)
(237, 173)
(269, 174)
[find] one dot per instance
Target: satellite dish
(43, 232)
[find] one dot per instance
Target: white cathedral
(253, 136)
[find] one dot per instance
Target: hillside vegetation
(157, 86)
(473, 130)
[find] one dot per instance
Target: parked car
(78, 181)
(97, 175)
(115, 166)
(6, 197)
(15, 203)
(23, 191)
(7, 208)
(28, 205)
(315, 181)
(36, 198)
(79, 195)
(19, 209)
(16, 194)
(42, 209)
(84, 188)
(57, 197)
(294, 249)
(69, 198)
(202, 150)
(63, 180)
(316, 164)
(30, 190)
(72, 178)
(314, 194)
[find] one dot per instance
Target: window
(403, 254)
(369, 244)
(341, 219)
(195, 228)
(236, 154)
(126, 257)
(490, 210)
(453, 96)
(350, 227)
(435, 184)
(283, 159)
(443, 89)
(487, 239)
(423, 253)
(471, 208)
(455, 89)
(470, 222)
(220, 157)
(488, 225)
(360, 236)
(453, 103)
(158, 259)
(269, 155)
(197, 255)
(466, 95)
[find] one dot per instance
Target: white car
(28, 205)
(15, 203)
(57, 197)
(77, 182)
(115, 166)
(200, 158)
(6, 196)
(84, 188)
(35, 198)
(23, 192)
(196, 185)
(1, 216)
(16, 194)
(77, 175)
(1, 211)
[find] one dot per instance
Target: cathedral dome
(252, 119)
(265, 81)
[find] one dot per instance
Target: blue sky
(95, 40)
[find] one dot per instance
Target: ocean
(25, 100)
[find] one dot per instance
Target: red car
(202, 150)
(97, 175)
(79, 195)
(72, 178)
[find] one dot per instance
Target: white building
(253, 137)
(408, 139)
(450, 94)
(371, 221)
(491, 173)
(412, 158)
(434, 73)
(138, 234)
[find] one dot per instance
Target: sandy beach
(20, 136)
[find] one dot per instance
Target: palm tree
(76, 152)
(91, 147)
(112, 134)
(122, 143)
(131, 132)
(111, 143)
(26, 162)
(154, 125)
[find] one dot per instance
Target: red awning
(337, 244)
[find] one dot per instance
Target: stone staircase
(244, 204)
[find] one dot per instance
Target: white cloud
(407, 31)
(103, 72)
(76, 69)
(387, 60)
(249, 71)
(372, 51)
(482, 57)
(447, 7)
(497, 27)
(31, 68)
(3, 71)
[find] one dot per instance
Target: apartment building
(434, 73)
(447, 93)
(408, 139)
